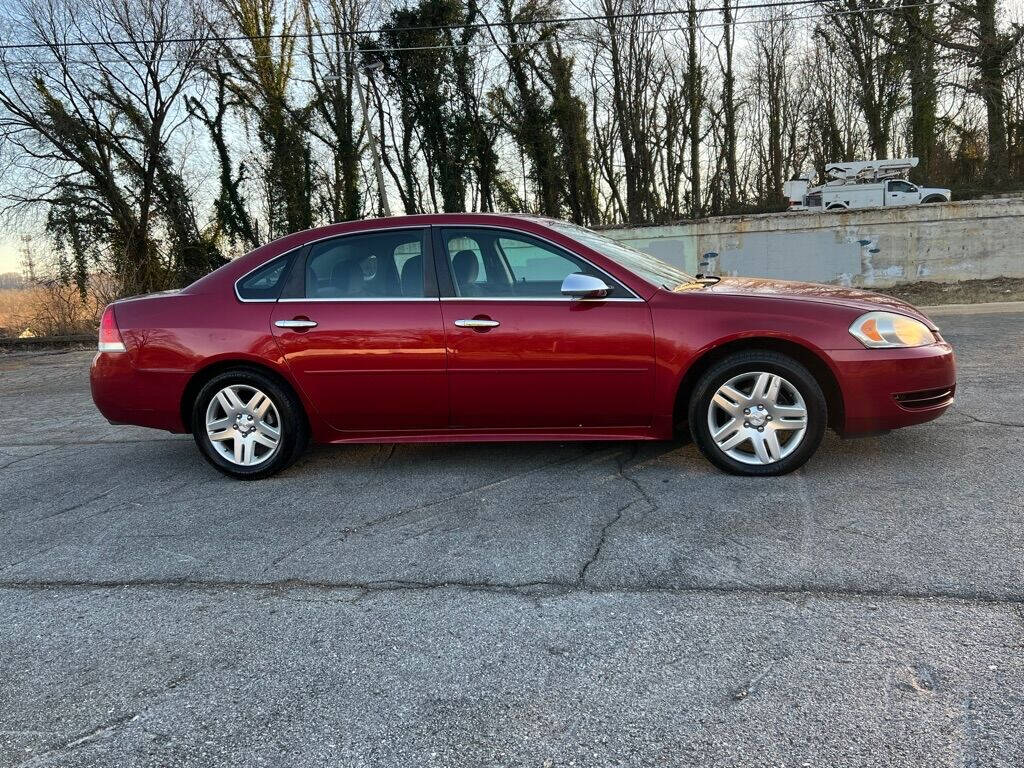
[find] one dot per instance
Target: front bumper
(890, 388)
(125, 395)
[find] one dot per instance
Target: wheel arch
(208, 371)
(935, 199)
(803, 354)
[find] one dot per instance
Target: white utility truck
(862, 184)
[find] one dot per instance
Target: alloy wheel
(243, 425)
(757, 418)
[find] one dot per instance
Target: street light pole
(374, 151)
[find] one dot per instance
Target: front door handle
(477, 323)
(296, 323)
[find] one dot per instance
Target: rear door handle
(295, 323)
(477, 323)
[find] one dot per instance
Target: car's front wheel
(247, 425)
(758, 413)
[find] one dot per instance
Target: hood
(829, 294)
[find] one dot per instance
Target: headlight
(888, 330)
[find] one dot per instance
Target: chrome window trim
(320, 240)
(632, 298)
(479, 299)
(357, 299)
(549, 242)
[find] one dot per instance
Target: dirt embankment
(962, 292)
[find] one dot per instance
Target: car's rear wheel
(758, 413)
(248, 425)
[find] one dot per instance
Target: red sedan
(491, 327)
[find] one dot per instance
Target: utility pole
(28, 264)
(374, 150)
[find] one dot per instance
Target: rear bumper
(888, 389)
(125, 395)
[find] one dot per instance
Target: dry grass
(963, 292)
(49, 309)
(15, 310)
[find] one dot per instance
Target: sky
(10, 261)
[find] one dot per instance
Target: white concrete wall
(944, 243)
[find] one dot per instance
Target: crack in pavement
(636, 483)
(391, 516)
(108, 726)
(521, 588)
(394, 515)
(28, 558)
(20, 459)
(991, 421)
(77, 506)
(345, 507)
(83, 738)
(617, 516)
(752, 685)
(599, 547)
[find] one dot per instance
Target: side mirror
(581, 286)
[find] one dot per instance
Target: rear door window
(377, 265)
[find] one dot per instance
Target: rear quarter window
(264, 284)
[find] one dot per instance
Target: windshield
(648, 267)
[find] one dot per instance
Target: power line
(429, 28)
(510, 44)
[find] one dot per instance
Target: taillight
(110, 336)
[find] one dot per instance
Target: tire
(934, 199)
(244, 426)
(742, 374)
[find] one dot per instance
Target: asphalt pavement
(583, 604)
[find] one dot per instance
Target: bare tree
(729, 103)
(865, 43)
(972, 29)
(695, 96)
(231, 210)
(332, 62)
(262, 71)
(637, 75)
(94, 127)
(523, 106)
(922, 62)
(772, 58)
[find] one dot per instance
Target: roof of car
(420, 218)
(282, 244)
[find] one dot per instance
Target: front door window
(501, 264)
